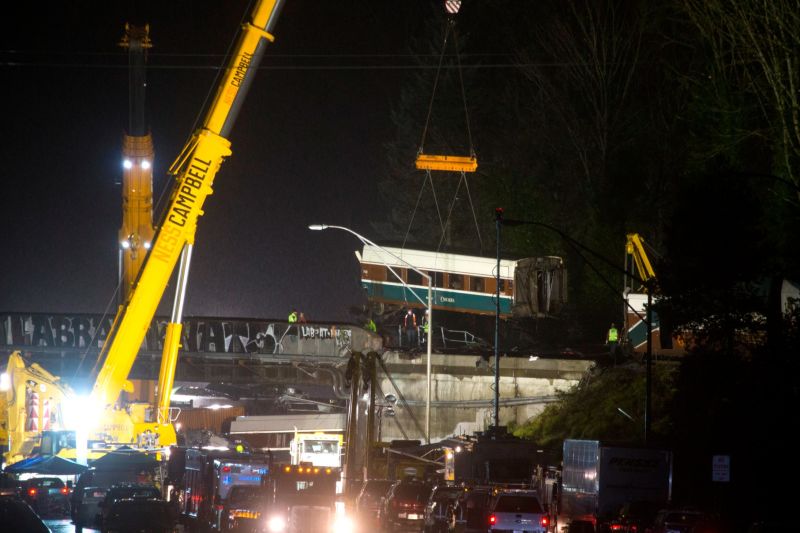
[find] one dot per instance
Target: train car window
(506, 286)
(476, 284)
(373, 272)
(456, 281)
(438, 279)
(414, 278)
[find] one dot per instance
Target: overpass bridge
(271, 355)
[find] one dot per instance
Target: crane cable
(160, 207)
(451, 26)
(428, 178)
(414, 212)
(452, 206)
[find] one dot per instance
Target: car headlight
(343, 524)
(276, 524)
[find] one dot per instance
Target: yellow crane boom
(634, 249)
(195, 169)
(136, 231)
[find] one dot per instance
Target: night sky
(307, 148)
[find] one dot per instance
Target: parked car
(16, 515)
(470, 512)
(369, 501)
(104, 479)
(243, 509)
(681, 521)
(9, 486)
(86, 512)
(580, 526)
(47, 496)
(635, 517)
(125, 491)
(439, 508)
(404, 505)
(518, 510)
(137, 515)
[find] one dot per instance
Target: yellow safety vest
(612, 335)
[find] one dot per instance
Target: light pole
(498, 217)
(428, 306)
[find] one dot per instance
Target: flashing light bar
(289, 469)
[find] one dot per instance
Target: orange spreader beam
(447, 162)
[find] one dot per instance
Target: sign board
(721, 468)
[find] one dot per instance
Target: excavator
(101, 419)
(636, 297)
(635, 334)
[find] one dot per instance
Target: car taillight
(64, 490)
(492, 519)
(616, 527)
(544, 521)
(32, 492)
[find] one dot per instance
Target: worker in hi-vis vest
(292, 317)
(612, 339)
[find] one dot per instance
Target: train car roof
(450, 250)
(428, 260)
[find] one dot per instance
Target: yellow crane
(136, 232)
(636, 298)
(194, 170)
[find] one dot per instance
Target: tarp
(25, 463)
(53, 465)
(125, 458)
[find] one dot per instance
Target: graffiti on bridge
(200, 335)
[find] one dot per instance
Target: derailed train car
(529, 287)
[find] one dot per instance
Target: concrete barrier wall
(462, 395)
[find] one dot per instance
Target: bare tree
(760, 39)
(583, 66)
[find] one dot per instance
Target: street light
(498, 217)
(428, 306)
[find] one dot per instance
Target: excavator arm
(32, 400)
(634, 251)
